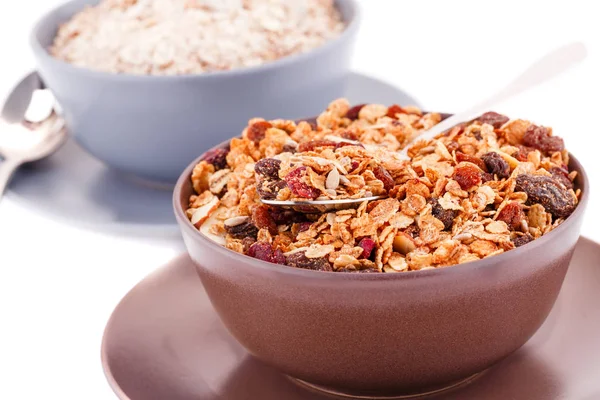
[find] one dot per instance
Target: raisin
(298, 187)
(493, 118)
(486, 177)
(349, 135)
(313, 144)
(496, 164)
(216, 157)
(395, 109)
(467, 176)
(539, 138)
(264, 251)
(241, 231)
(289, 148)
(513, 215)
(247, 242)
(548, 192)
(367, 245)
(562, 175)
(521, 240)
(477, 135)
(304, 226)
(268, 190)
(384, 176)
(283, 216)
(268, 167)
(352, 113)
(263, 220)
(446, 216)
(452, 146)
(256, 131)
(299, 260)
(460, 157)
(413, 231)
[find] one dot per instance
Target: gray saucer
(73, 186)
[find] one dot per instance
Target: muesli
(482, 188)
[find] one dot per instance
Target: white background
(59, 284)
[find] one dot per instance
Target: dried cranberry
(264, 251)
(354, 165)
(241, 231)
(460, 157)
(384, 176)
(354, 111)
(299, 260)
(256, 131)
(216, 157)
(521, 240)
(546, 191)
(493, 118)
(467, 176)
(395, 109)
(268, 167)
(562, 175)
(263, 220)
(539, 138)
(298, 187)
(496, 164)
(446, 216)
(513, 215)
(313, 144)
(367, 245)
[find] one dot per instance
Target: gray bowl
(154, 126)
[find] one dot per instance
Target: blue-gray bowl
(152, 127)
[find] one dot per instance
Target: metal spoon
(30, 129)
(544, 69)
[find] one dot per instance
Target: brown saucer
(164, 341)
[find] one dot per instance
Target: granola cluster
(482, 188)
(176, 37)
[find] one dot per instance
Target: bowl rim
(41, 52)
(187, 227)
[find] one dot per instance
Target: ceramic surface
(165, 341)
(153, 127)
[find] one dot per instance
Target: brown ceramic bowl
(384, 334)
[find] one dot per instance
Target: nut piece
(404, 243)
(218, 181)
(333, 179)
(201, 214)
(235, 221)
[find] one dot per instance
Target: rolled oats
(176, 37)
(463, 196)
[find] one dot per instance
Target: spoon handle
(7, 168)
(544, 69)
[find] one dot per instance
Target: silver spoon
(544, 69)
(30, 129)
